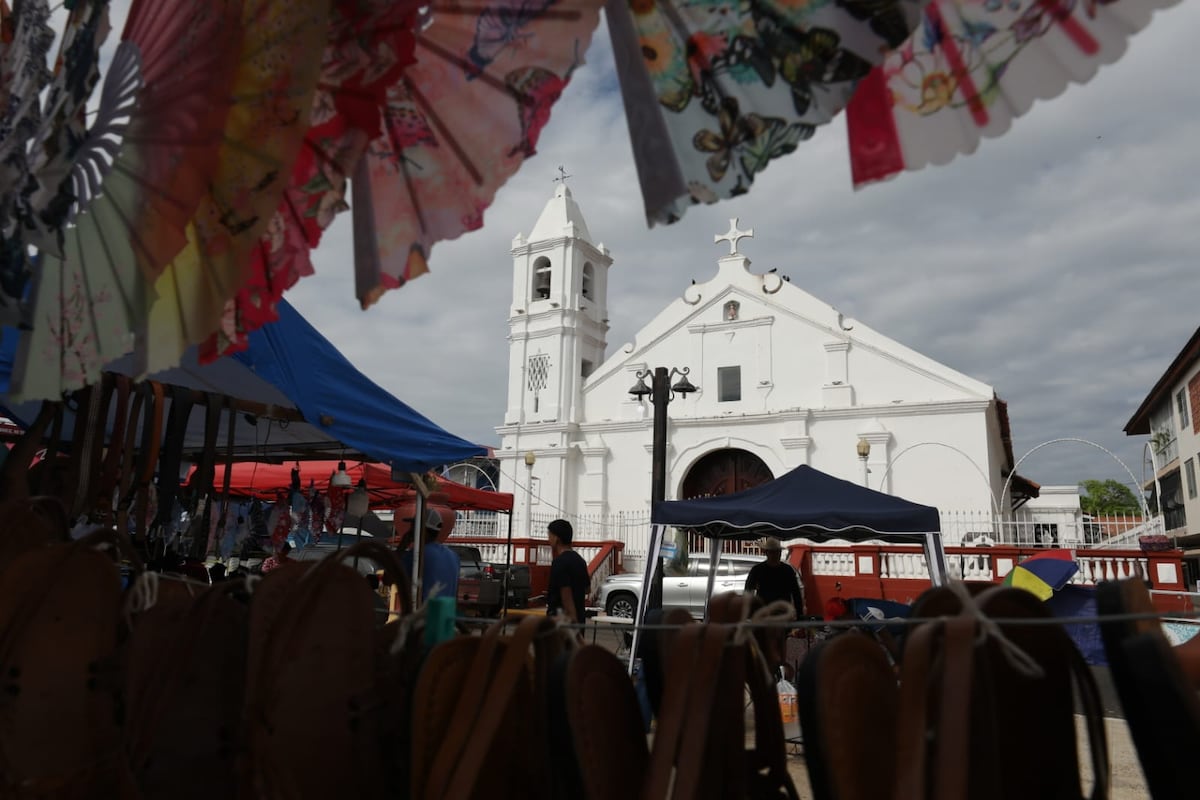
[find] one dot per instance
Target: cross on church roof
(733, 236)
(562, 175)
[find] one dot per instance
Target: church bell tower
(558, 319)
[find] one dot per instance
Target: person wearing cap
(439, 564)
(775, 579)
(569, 579)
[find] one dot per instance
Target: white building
(783, 380)
(1170, 414)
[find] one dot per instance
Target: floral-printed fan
(457, 125)
(273, 88)
(369, 44)
(972, 68)
(144, 218)
(716, 89)
(426, 110)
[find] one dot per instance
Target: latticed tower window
(537, 375)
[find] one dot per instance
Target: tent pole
(507, 567)
(418, 537)
(714, 558)
(935, 557)
(639, 617)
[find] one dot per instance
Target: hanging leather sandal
(1160, 702)
(60, 687)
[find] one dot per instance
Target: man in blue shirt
(439, 564)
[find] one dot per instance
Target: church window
(585, 368)
(541, 279)
(537, 375)
(731, 310)
(729, 384)
(589, 280)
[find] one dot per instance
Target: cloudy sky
(1058, 263)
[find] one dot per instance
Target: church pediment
(773, 333)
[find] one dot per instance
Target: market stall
(803, 503)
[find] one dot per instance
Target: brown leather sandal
(986, 710)
(184, 685)
(1160, 702)
(606, 724)
(60, 695)
(848, 696)
(312, 677)
(475, 715)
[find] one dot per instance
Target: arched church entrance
(722, 472)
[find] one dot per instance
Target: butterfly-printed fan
(974, 67)
(715, 90)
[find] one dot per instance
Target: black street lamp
(661, 392)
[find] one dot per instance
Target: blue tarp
(291, 365)
(1080, 601)
(297, 359)
(804, 502)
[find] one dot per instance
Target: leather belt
(152, 425)
(110, 470)
(86, 451)
(230, 439)
(125, 482)
(171, 454)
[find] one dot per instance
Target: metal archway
(1132, 480)
(983, 477)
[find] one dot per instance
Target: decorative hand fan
(445, 133)
(715, 90)
(25, 41)
(457, 125)
(972, 68)
(370, 43)
(107, 205)
(274, 82)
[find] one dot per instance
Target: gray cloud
(1058, 263)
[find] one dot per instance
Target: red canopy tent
(266, 481)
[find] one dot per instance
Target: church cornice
(558, 243)
(718, 327)
(537, 427)
(903, 409)
(806, 414)
(592, 337)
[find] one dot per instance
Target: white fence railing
(977, 566)
(1047, 529)
(632, 528)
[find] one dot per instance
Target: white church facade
(784, 379)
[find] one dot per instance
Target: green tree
(1108, 497)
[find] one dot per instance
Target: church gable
(755, 343)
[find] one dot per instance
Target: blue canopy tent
(314, 403)
(803, 503)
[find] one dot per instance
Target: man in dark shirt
(569, 579)
(775, 579)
